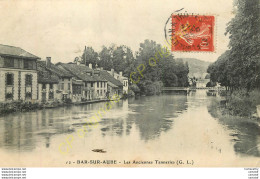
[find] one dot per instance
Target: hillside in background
(197, 68)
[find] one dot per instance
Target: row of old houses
(24, 76)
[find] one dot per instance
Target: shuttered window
(9, 79)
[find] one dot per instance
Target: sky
(61, 29)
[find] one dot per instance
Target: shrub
(243, 103)
(17, 106)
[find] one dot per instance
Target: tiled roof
(110, 78)
(15, 52)
(59, 71)
(44, 75)
(81, 71)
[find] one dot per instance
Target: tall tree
(89, 56)
(122, 58)
(240, 67)
(160, 68)
(105, 59)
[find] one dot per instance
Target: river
(166, 127)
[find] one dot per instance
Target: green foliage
(105, 59)
(239, 67)
(148, 87)
(161, 68)
(242, 103)
(89, 56)
(210, 84)
(122, 57)
(17, 106)
(134, 88)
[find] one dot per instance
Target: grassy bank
(242, 103)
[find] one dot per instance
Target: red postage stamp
(192, 33)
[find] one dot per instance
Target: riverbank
(242, 103)
(21, 106)
(244, 130)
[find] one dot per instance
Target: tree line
(166, 72)
(239, 67)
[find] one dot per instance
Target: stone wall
(34, 84)
(18, 88)
(56, 96)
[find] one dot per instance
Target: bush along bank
(25, 106)
(18, 106)
(242, 103)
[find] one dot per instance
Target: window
(51, 95)
(98, 92)
(101, 84)
(9, 62)
(9, 79)
(43, 86)
(28, 80)
(51, 86)
(68, 86)
(92, 84)
(27, 64)
(76, 89)
(98, 84)
(62, 86)
(9, 96)
(28, 95)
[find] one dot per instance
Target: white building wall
(34, 84)
(67, 82)
(56, 96)
(47, 92)
(55, 88)
(40, 92)
(19, 83)
(99, 89)
(16, 85)
(2, 86)
(125, 86)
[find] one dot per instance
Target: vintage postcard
(149, 83)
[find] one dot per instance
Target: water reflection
(184, 122)
(154, 115)
(245, 132)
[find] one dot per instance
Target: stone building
(124, 80)
(64, 89)
(114, 86)
(94, 86)
(18, 74)
(47, 83)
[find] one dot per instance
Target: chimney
(48, 62)
(121, 73)
(112, 72)
(90, 65)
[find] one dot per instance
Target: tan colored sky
(61, 29)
